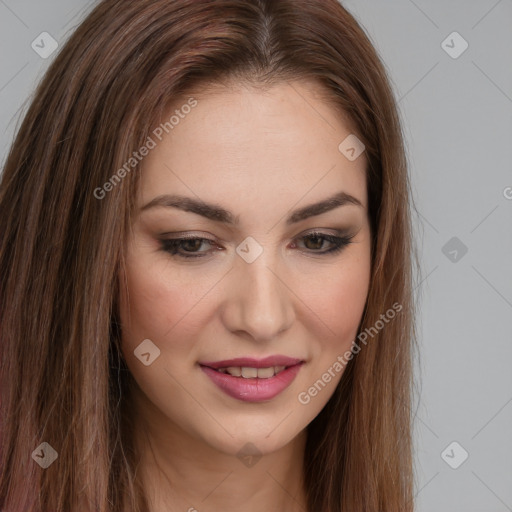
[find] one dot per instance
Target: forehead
(245, 146)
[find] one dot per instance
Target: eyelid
(312, 231)
(187, 235)
(340, 239)
(326, 231)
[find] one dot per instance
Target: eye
(316, 240)
(189, 247)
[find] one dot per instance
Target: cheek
(338, 306)
(154, 305)
(339, 303)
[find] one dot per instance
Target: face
(242, 273)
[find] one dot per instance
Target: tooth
(249, 373)
(235, 371)
(252, 373)
(265, 373)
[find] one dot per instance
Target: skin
(259, 154)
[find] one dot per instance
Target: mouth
(253, 380)
(246, 372)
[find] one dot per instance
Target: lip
(254, 389)
(250, 362)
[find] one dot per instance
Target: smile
(251, 373)
(252, 380)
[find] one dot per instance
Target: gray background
(457, 118)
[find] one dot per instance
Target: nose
(259, 302)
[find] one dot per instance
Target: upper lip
(250, 362)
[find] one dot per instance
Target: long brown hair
(63, 380)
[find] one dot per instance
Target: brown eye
(314, 242)
(192, 244)
(189, 246)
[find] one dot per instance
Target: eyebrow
(216, 213)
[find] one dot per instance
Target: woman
(206, 268)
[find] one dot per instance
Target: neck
(182, 473)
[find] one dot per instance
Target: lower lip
(253, 390)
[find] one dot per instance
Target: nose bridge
(261, 302)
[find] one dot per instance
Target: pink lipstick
(253, 380)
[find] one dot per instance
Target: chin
(262, 439)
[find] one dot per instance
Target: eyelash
(172, 245)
